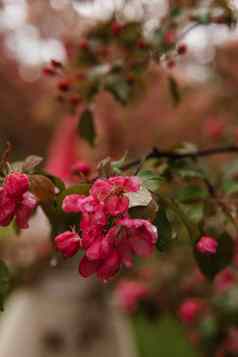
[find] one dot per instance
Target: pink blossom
(80, 167)
(101, 189)
(16, 184)
(16, 200)
(7, 208)
(207, 245)
(116, 205)
(68, 243)
(190, 310)
(87, 267)
(25, 209)
(72, 203)
(109, 266)
(125, 183)
(141, 234)
(108, 238)
(129, 293)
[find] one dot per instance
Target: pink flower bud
(190, 310)
(16, 184)
(207, 245)
(80, 167)
(68, 243)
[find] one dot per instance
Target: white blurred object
(127, 10)
(58, 317)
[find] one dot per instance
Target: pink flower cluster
(108, 236)
(16, 200)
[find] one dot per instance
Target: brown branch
(173, 155)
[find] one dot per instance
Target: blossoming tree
(164, 201)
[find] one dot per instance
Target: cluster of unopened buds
(108, 235)
(16, 200)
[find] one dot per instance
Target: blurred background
(53, 311)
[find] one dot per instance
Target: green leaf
(182, 224)
(4, 283)
(175, 11)
(144, 212)
(150, 180)
(189, 173)
(191, 193)
(210, 265)
(174, 89)
(164, 230)
(130, 34)
(195, 212)
(117, 165)
(230, 187)
(118, 87)
(105, 168)
(141, 198)
(31, 162)
(86, 127)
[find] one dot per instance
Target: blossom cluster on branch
(108, 236)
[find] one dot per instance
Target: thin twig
(172, 155)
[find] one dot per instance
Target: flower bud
(207, 245)
(190, 310)
(68, 243)
(80, 167)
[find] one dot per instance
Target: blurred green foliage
(162, 338)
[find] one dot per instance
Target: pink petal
(87, 267)
(109, 267)
(16, 184)
(72, 203)
(25, 209)
(7, 208)
(116, 205)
